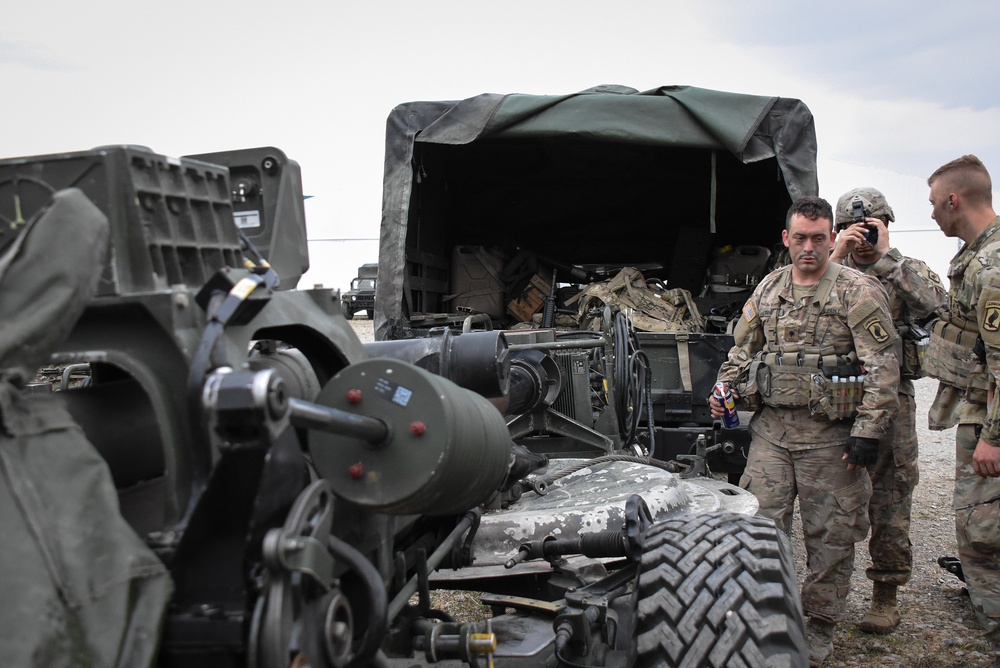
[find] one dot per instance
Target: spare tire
(718, 589)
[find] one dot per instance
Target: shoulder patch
(876, 328)
(988, 313)
(748, 311)
(991, 315)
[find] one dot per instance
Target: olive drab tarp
(79, 587)
(689, 122)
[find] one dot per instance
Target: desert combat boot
(819, 636)
(883, 616)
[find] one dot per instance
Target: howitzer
(306, 492)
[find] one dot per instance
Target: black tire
(346, 310)
(718, 589)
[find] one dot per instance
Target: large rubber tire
(718, 589)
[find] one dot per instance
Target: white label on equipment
(245, 219)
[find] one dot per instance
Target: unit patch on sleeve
(876, 329)
(991, 316)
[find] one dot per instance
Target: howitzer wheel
(279, 613)
(718, 590)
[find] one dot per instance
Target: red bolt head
(418, 428)
(354, 396)
(356, 471)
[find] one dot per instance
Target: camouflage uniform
(795, 452)
(915, 293)
(974, 305)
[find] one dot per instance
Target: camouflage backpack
(651, 307)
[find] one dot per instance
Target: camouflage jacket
(974, 295)
(855, 318)
(915, 292)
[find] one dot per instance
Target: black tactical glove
(861, 451)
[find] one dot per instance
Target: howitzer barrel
(448, 449)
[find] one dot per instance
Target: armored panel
(171, 218)
(268, 206)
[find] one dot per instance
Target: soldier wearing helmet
(915, 295)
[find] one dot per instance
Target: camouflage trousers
(894, 476)
(833, 504)
(977, 529)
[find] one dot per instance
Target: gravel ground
(938, 627)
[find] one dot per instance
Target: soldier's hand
(846, 242)
(882, 245)
(986, 460)
(860, 452)
(715, 407)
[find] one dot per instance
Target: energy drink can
(730, 418)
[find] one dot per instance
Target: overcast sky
(901, 87)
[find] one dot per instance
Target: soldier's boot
(993, 639)
(883, 616)
(819, 636)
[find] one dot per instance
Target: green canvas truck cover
(698, 134)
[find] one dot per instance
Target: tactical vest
(952, 359)
(650, 308)
(808, 375)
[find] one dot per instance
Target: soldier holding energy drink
(803, 324)
(915, 295)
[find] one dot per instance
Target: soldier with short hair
(962, 199)
(805, 325)
(915, 295)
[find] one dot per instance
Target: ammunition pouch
(805, 383)
(748, 387)
(951, 358)
(914, 341)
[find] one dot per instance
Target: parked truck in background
(361, 296)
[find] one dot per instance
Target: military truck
(305, 492)
(361, 296)
(498, 207)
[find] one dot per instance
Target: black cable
(630, 377)
(377, 599)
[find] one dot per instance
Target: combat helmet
(873, 201)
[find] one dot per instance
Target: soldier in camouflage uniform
(915, 295)
(961, 197)
(803, 320)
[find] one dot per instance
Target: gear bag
(651, 307)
